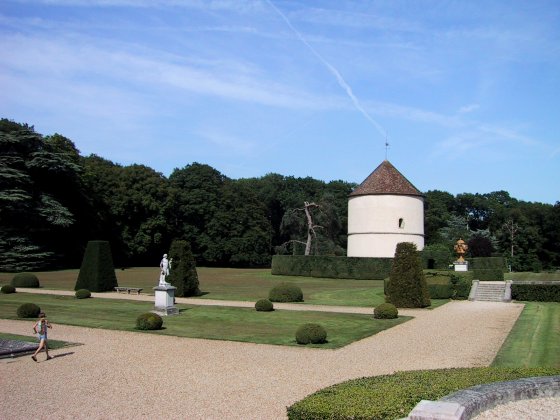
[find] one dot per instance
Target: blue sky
(466, 93)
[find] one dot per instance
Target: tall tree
(40, 193)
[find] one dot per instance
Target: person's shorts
(42, 336)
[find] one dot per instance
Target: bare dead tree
(512, 229)
(311, 227)
(311, 234)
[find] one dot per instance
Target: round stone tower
(384, 210)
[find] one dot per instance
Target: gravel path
(123, 375)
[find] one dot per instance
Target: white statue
(165, 266)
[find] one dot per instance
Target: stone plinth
(165, 300)
(461, 265)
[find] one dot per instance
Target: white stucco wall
(377, 223)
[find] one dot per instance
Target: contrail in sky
(334, 71)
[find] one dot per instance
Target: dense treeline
(53, 200)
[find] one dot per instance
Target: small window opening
(401, 223)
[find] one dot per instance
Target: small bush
(149, 321)
(286, 292)
(83, 294)
(25, 280)
(311, 334)
(385, 311)
(7, 289)
(264, 305)
(28, 310)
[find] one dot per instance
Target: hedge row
(394, 396)
(487, 263)
(536, 292)
(449, 284)
(332, 267)
(490, 274)
(359, 268)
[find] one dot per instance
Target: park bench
(128, 289)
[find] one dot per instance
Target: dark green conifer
(183, 273)
(97, 273)
(407, 287)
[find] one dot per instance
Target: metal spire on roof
(386, 147)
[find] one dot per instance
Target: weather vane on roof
(386, 147)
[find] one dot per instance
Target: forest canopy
(53, 201)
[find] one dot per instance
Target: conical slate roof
(386, 179)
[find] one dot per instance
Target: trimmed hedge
(83, 294)
(487, 263)
(264, 305)
(311, 334)
(25, 280)
(440, 291)
(149, 321)
(28, 310)
(331, 267)
(394, 396)
(97, 272)
(385, 311)
(7, 289)
(536, 292)
(488, 274)
(285, 292)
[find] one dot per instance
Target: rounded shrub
(385, 311)
(264, 305)
(28, 310)
(149, 321)
(8, 288)
(311, 334)
(83, 294)
(25, 280)
(286, 292)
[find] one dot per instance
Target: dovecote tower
(384, 210)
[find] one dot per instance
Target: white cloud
(468, 108)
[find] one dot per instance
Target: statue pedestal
(164, 302)
(461, 265)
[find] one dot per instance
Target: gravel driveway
(123, 375)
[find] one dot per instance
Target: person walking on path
(40, 328)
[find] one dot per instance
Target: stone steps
(490, 291)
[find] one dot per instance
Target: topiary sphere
(28, 310)
(385, 311)
(25, 280)
(8, 288)
(286, 292)
(149, 321)
(264, 305)
(311, 334)
(83, 294)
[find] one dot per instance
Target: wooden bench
(128, 289)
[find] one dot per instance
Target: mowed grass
(235, 284)
(210, 322)
(534, 339)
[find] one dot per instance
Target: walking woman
(40, 328)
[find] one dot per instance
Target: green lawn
(534, 339)
(212, 322)
(235, 284)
